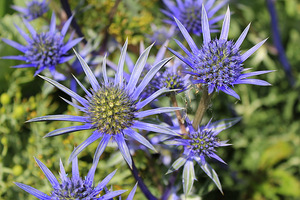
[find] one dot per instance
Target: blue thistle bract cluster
(218, 63)
(198, 145)
(189, 13)
(74, 187)
(34, 9)
(44, 50)
(113, 109)
(173, 78)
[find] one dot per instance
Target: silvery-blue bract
(188, 12)
(113, 108)
(218, 63)
(198, 145)
(74, 187)
(44, 50)
(34, 9)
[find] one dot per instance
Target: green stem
(202, 107)
(178, 114)
(70, 68)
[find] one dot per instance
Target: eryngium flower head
(113, 108)
(198, 145)
(173, 78)
(43, 50)
(218, 64)
(74, 187)
(189, 13)
(34, 9)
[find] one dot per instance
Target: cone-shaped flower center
(45, 50)
(111, 110)
(203, 142)
(190, 17)
(218, 63)
(72, 189)
(172, 81)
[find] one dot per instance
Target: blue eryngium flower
(113, 108)
(218, 64)
(74, 187)
(43, 50)
(198, 145)
(34, 9)
(189, 13)
(173, 78)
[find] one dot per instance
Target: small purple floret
(189, 13)
(34, 9)
(73, 187)
(44, 50)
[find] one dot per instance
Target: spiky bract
(34, 9)
(198, 145)
(73, 187)
(44, 50)
(218, 63)
(113, 107)
(188, 12)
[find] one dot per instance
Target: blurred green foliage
(122, 19)
(264, 160)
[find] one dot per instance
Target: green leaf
(274, 154)
(288, 185)
(4, 7)
(291, 8)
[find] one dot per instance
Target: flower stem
(66, 6)
(141, 184)
(202, 107)
(171, 181)
(111, 15)
(178, 114)
(278, 44)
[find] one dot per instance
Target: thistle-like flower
(173, 78)
(113, 108)
(74, 187)
(34, 9)
(198, 145)
(44, 50)
(218, 64)
(189, 13)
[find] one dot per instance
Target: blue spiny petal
(95, 136)
(38, 194)
(123, 148)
